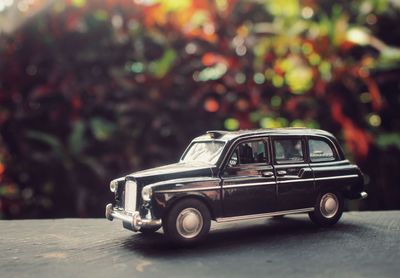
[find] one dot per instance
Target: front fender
(166, 194)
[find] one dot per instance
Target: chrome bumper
(131, 221)
(358, 195)
(363, 195)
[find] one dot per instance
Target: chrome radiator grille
(130, 196)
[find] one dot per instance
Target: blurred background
(93, 90)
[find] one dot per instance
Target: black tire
(149, 231)
(328, 209)
(187, 222)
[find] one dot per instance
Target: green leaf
(47, 139)
(389, 59)
(94, 165)
(79, 3)
(101, 128)
(161, 67)
(386, 140)
(76, 140)
(299, 79)
(289, 8)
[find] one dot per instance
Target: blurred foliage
(92, 90)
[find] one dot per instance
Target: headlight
(146, 193)
(114, 186)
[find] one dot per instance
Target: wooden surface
(362, 244)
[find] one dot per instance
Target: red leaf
(210, 59)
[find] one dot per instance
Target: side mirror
(230, 168)
(233, 161)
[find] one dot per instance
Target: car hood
(172, 171)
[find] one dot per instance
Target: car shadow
(285, 232)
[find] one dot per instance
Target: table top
(362, 244)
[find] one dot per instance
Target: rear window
(320, 151)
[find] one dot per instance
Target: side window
(248, 153)
(288, 150)
(320, 151)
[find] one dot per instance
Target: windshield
(208, 152)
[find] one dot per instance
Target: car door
(330, 172)
(294, 177)
(248, 180)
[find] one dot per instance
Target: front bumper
(363, 195)
(356, 195)
(131, 221)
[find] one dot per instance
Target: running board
(262, 215)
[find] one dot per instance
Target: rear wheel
(328, 209)
(188, 221)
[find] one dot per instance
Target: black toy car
(228, 176)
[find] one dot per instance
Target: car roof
(224, 135)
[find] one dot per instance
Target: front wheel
(187, 222)
(328, 209)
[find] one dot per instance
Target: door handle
(267, 173)
(281, 172)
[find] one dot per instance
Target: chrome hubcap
(189, 223)
(329, 205)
